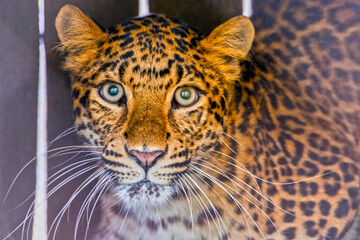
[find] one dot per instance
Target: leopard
(249, 132)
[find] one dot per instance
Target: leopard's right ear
(79, 35)
(228, 44)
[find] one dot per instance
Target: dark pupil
(113, 90)
(185, 94)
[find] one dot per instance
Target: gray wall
(18, 90)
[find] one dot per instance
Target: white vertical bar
(40, 206)
(144, 8)
(247, 8)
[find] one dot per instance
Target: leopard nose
(146, 159)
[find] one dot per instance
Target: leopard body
(270, 150)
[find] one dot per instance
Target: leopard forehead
(151, 57)
(147, 49)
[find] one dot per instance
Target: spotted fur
(270, 150)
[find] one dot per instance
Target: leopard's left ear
(229, 43)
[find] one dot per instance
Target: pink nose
(146, 159)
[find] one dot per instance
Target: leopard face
(147, 96)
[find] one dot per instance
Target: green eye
(186, 96)
(112, 92)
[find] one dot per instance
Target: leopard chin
(144, 195)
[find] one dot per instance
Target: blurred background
(18, 93)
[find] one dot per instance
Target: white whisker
(123, 222)
(218, 183)
(32, 160)
(61, 135)
(190, 208)
(218, 217)
(252, 188)
(58, 217)
(240, 208)
(228, 135)
(270, 182)
(222, 140)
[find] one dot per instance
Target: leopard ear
(79, 36)
(228, 44)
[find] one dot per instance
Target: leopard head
(152, 94)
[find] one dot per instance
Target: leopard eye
(186, 96)
(112, 92)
